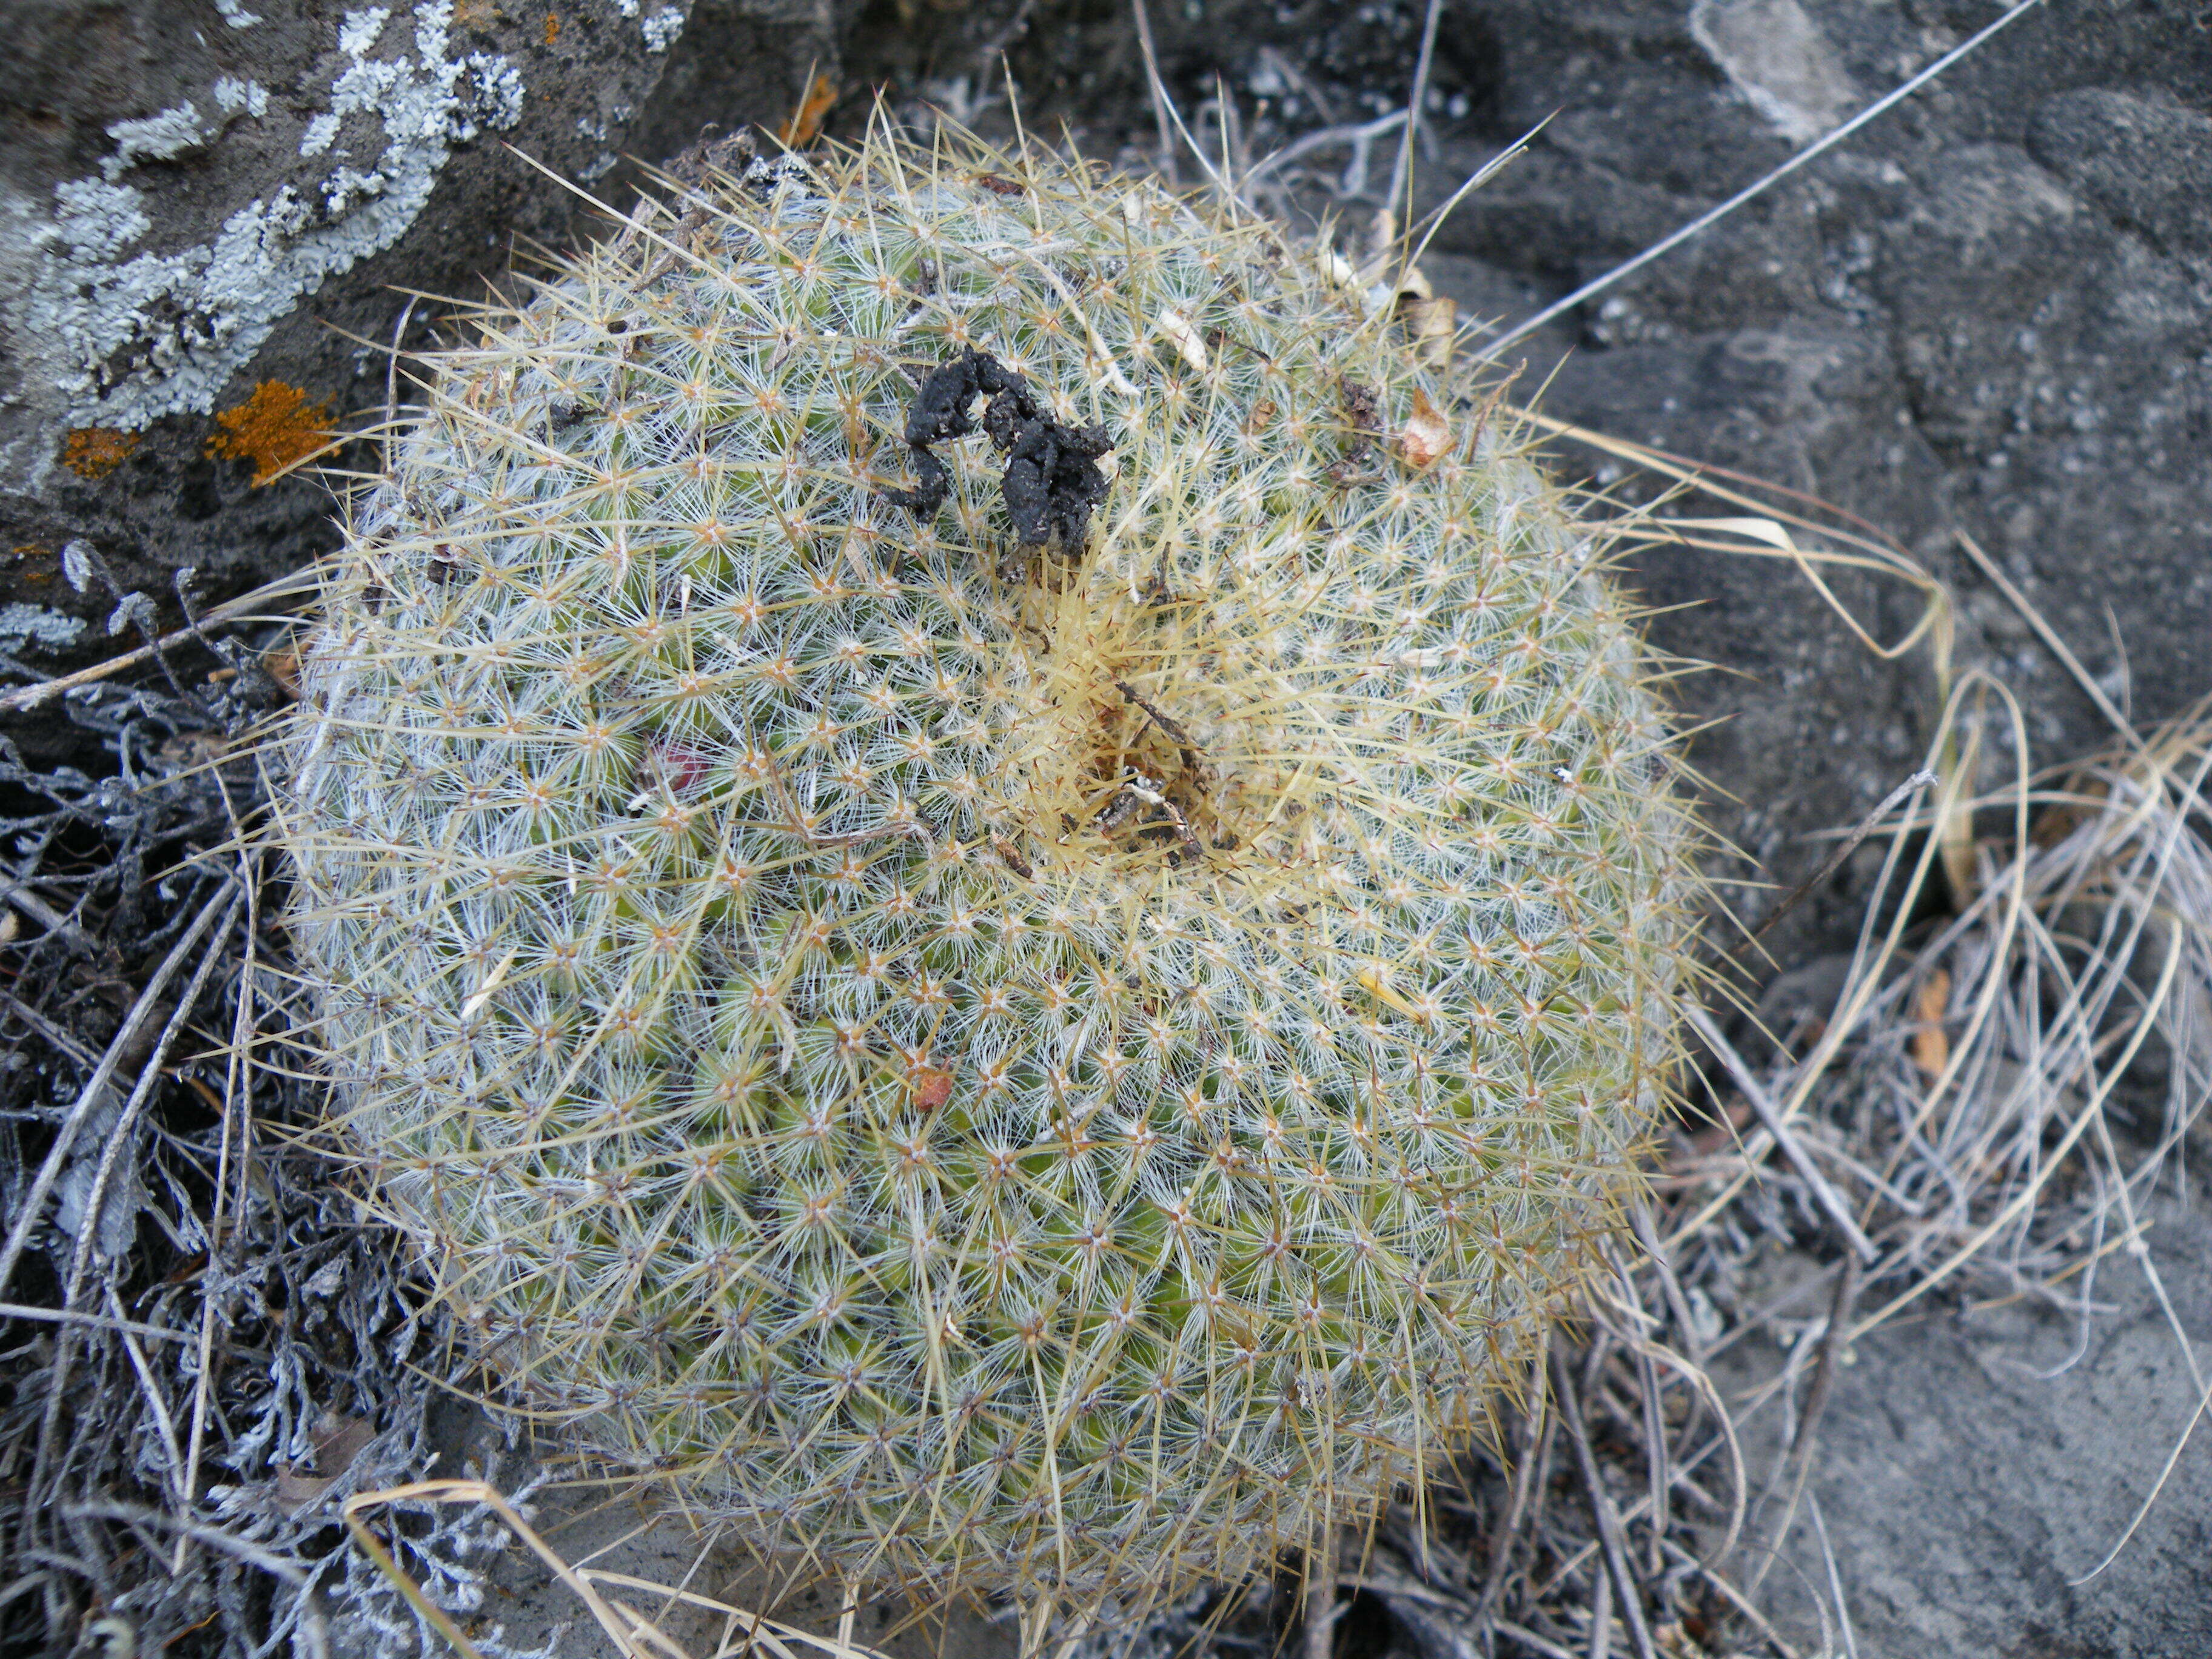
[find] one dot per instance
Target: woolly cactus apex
(1041, 1067)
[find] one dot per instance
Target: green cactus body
(1051, 1071)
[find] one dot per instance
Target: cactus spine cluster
(1048, 1069)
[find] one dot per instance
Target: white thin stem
(1769, 1116)
(1156, 89)
(1400, 199)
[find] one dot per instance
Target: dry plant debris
(203, 1354)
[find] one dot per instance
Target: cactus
(1035, 1032)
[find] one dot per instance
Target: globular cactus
(1041, 1032)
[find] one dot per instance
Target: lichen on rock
(138, 338)
(274, 428)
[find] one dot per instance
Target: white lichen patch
(126, 341)
(235, 14)
(660, 29)
(153, 138)
(97, 221)
(37, 625)
(361, 30)
(233, 95)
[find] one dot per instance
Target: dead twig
(1154, 85)
(1625, 1587)
(1836, 861)
(95, 1086)
(59, 1397)
(30, 697)
(61, 926)
(90, 1320)
(1535, 1428)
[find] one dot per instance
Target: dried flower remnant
(804, 125)
(1426, 435)
(274, 428)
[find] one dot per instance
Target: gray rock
(1988, 312)
(741, 61)
(1976, 1464)
(197, 197)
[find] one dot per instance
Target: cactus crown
(1049, 1068)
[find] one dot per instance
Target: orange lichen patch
(552, 29)
(93, 451)
(274, 428)
(805, 122)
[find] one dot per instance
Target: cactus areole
(1044, 1033)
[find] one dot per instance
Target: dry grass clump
(2012, 1087)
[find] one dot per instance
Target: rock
(1977, 1462)
(209, 209)
(741, 61)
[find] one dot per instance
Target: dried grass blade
(477, 1491)
(1771, 1119)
